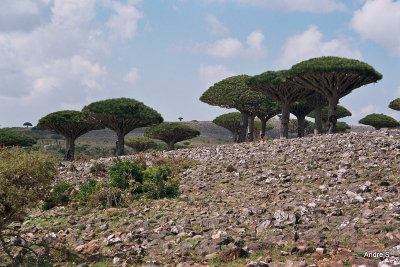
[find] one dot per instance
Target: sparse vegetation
(140, 144)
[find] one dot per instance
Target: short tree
(71, 124)
(171, 133)
(122, 115)
(9, 137)
(379, 121)
(342, 127)
(230, 121)
(180, 118)
(395, 104)
(27, 124)
(140, 144)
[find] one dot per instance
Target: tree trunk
(285, 120)
(301, 126)
(318, 120)
(332, 115)
(120, 144)
(263, 128)
(235, 134)
(243, 127)
(171, 146)
(69, 149)
(250, 134)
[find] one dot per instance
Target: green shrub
(379, 121)
(87, 190)
(158, 182)
(58, 196)
(342, 127)
(24, 179)
(127, 174)
(9, 137)
(98, 168)
(140, 144)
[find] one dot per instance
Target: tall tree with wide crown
(71, 124)
(277, 86)
(122, 115)
(233, 92)
(334, 78)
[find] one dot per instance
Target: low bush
(59, 195)
(87, 190)
(98, 169)
(140, 144)
(128, 174)
(158, 182)
(25, 178)
(9, 137)
(106, 198)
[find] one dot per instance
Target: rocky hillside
(315, 201)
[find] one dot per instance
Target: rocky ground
(315, 201)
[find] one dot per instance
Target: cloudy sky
(64, 54)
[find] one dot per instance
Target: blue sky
(64, 54)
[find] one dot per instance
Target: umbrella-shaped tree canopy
(278, 86)
(333, 77)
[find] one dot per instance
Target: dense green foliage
(135, 177)
(230, 121)
(379, 121)
(395, 104)
(24, 180)
(140, 144)
(334, 64)
(341, 127)
(341, 112)
(87, 190)
(127, 174)
(9, 137)
(171, 132)
(125, 108)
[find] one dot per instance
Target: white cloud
(256, 47)
(310, 44)
(22, 15)
(56, 63)
(232, 47)
(214, 73)
(225, 48)
(132, 76)
(313, 6)
(379, 20)
(215, 27)
(125, 22)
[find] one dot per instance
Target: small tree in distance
(180, 118)
(122, 115)
(230, 121)
(71, 124)
(379, 121)
(27, 124)
(171, 133)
